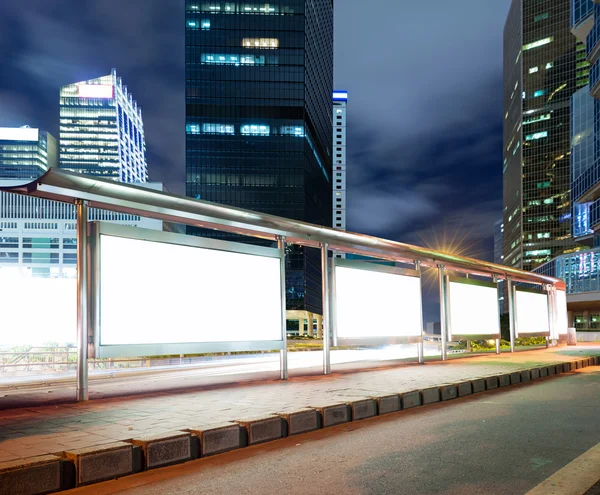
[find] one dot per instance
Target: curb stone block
(566, 367)
(302, 421)
(411, 399)
(515, 378)
(525, 375)
(219, 438)
(491, 383)
(535, 373)
(41, 474)
(263, 429)
(430, 395)
(388, 404)
(478, 385)
(573, 366)
(551, 370)
(362, 409)
(335, 415)
(465, 388)
(165, 449)
(102, 462)
(544, 371)
(504, 380)
(449, 392)
(558, 369)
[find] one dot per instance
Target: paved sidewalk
(54, 429)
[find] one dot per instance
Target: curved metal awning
(68, 187)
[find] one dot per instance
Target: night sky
(425, 109)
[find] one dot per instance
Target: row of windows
(245, 129)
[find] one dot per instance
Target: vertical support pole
(550, 314)
(420, 345)
(511, 312)
(495, 279)
(283, 357)
(82, 300)
(326, 315)
(443, 311)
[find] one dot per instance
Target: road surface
(502, 442)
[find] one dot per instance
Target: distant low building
(26, 153)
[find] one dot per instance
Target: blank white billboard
(372, 304)
(37, 311)
(159, 293)
(532, 313)
(562, 320)
(473, 310)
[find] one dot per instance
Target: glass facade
(544, 65)
(259, 80)
(340, 103)
(26, 153)
(101, 130)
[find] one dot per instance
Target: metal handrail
(70, 187)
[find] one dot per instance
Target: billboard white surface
(37, 311)
(562, 319)
(158, 293)
(371, 304)
(532, 313)
(473, 310)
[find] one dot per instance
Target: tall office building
(340, 102)
(544, 65)
(101, 130)
(259, 80)
(26, 153)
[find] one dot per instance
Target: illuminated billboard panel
(37, 311)
(164, 294)
(473, 309)
(372, 304)
(104, 91)
(562, 320)
(532, 313)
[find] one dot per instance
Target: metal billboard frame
(468, 281)
(98, 229)
(516, 313)
(371, 267)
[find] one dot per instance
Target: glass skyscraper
(259, 80)
(101, 130)
(544, 65)
(26, 153)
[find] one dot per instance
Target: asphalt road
(501, 442)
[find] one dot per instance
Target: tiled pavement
(54, 429)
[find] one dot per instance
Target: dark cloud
(425, 96)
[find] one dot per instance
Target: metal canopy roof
(69, 187)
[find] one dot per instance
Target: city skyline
(398, 187)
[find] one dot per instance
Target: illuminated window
(541, 17)
(543, 235)
(543, 185)
(297, 131)
(549, 65)
(269, 43)
(192, 24)
(539, 92)
(537, 135)
(535, 44)
(231, 59)
(256, 130)
(533, 69)
(538, 252)
(548, 201)
(205, 24)
(538, 119)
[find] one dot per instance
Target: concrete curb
(52, 473)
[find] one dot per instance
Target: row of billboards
(157, 293)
